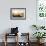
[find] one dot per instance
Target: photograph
(17, 13)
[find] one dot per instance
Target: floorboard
(13, 44)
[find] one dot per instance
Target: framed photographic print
(41, 8)
(17, 13)
(41, 12)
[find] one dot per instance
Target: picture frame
(41, 12)
(41, 9)
(17, 13)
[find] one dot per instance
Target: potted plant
(39, 36)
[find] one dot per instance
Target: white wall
(24, 25)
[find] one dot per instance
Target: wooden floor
(13, 44)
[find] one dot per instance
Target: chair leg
(5, 40)
(5, 43)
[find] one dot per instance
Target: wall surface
(24, 25)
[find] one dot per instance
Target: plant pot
(40, 41)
